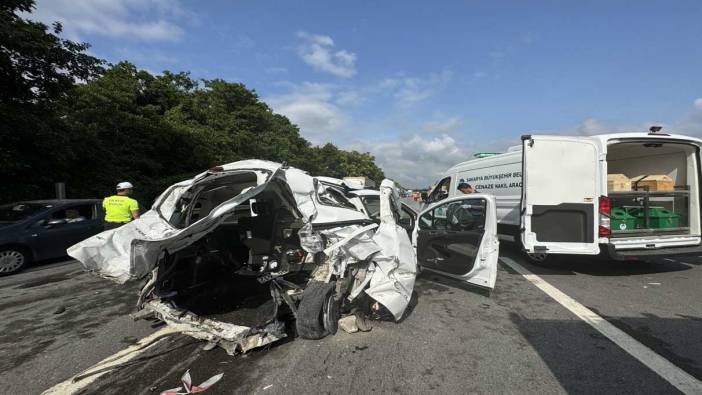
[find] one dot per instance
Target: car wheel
(537, 257)
(318, 311)
(542, 259)
(12, 260)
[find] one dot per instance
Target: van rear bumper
(626, 254)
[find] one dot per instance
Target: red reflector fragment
(605, 231)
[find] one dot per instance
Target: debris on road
(188, 386)
(235, 253)
(348, 324)
(60, 309)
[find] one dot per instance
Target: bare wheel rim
(10, 261)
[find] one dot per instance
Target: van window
(441, 191)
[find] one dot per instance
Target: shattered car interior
(253, 251)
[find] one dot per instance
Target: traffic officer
(120, 208)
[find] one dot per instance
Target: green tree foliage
(156, 130)
(37, 70)
(331, 161)
(127, 124)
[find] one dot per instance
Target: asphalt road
(454, 338)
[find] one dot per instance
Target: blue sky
(422, 85)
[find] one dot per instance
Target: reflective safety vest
(119, 208)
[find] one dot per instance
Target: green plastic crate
(658, 217)
(621, 220)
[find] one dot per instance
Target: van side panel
(499, 175)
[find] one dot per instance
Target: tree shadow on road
(585, 361)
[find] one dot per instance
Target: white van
(552, 194)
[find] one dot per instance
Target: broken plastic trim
(232, 338)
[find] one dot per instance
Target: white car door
(457, 237)
(560, 195)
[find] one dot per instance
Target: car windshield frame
(7, 211)
(332, 195)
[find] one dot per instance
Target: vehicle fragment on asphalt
(189, 388)
(236, 253)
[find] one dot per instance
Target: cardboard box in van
(618, 182)
(653, 183)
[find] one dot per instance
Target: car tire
(542, 259)
(12, 260)
(318, 311)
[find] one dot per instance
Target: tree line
(67, 116)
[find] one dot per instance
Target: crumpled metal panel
(233, 338)
(387, 253)
(395, 270)
(383, 255)
(132, 251)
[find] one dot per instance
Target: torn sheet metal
(277, 221)
(232, 338)
(131, 251)
(395, 268)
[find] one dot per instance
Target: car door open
(458, 237)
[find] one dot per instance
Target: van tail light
(605, 208)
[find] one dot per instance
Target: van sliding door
(560, 194)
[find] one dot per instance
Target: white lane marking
(129, 353)
(680, 379)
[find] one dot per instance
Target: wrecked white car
(235, 253)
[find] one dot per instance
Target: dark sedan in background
(43, 229)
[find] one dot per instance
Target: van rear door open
(560, 194)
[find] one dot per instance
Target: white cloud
(692, 123)
(409, 91)
(443, 126)
(415, 161)
(147, 20)
(592, 126)
(318, 52)
(350, 98)
(145, 57)
(311, 107)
